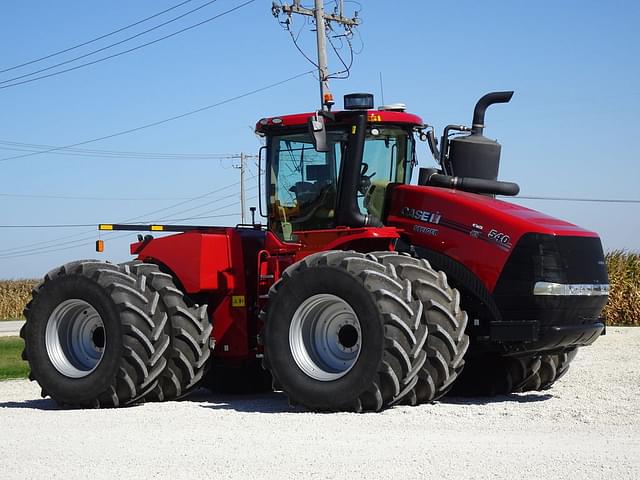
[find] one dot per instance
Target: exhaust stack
(482, 105)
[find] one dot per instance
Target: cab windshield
(389, 156)
(303, 183)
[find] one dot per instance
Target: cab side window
(303, 184)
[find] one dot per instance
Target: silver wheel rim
(325, 337)
(75, 338)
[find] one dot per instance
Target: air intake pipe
(475, 155)
(433, 177)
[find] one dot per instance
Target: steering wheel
(365, 180)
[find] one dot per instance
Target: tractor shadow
(274, 402)
(39, 404)
(510, 398)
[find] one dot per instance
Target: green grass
(11, 364)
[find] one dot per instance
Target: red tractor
(361, 292)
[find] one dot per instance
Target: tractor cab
(342, 182)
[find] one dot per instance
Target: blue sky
(570, 130)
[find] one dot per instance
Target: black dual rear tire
(189, 331)
(95, 335)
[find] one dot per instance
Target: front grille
(548, 258)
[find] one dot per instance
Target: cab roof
(341, 118)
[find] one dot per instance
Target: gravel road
(10, 328)
(588, 426)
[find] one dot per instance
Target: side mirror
(318, 133)
(433, 144)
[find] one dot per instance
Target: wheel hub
(325, 337)
(75, 338)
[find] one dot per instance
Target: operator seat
(316, 199)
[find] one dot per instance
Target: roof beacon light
(328, 99)
(358, 101)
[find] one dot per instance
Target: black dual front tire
(552, 368)
(394, 319)
(494, 374)
(95, 335)
(446, 323)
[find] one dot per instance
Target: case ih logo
(422, 215)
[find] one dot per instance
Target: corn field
(14, 295)
(623, 307)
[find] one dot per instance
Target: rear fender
(200, 261)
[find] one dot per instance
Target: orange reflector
(328, 98)
(100, 246)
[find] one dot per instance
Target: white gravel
(588, 426)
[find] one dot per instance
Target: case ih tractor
(362, 291)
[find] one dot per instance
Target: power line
(569, 199)
(79, 225)
(79, 242)
(38, 247)
(190, 209)
(105, 199)
(84, 152)
(68, 225)
(166, 120)
(66, 62)
(346, 73)
(79, 237)
(75, 243)
(21, 252)
(184, 219)
(203, 215)
(52, 250)
(131, 49)
(136, 218)
(59, 52)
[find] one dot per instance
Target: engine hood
(463, 206)
(476, 230)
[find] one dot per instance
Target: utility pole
(242, 166)
(322, 19)
(242, 199)
(243, 170)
